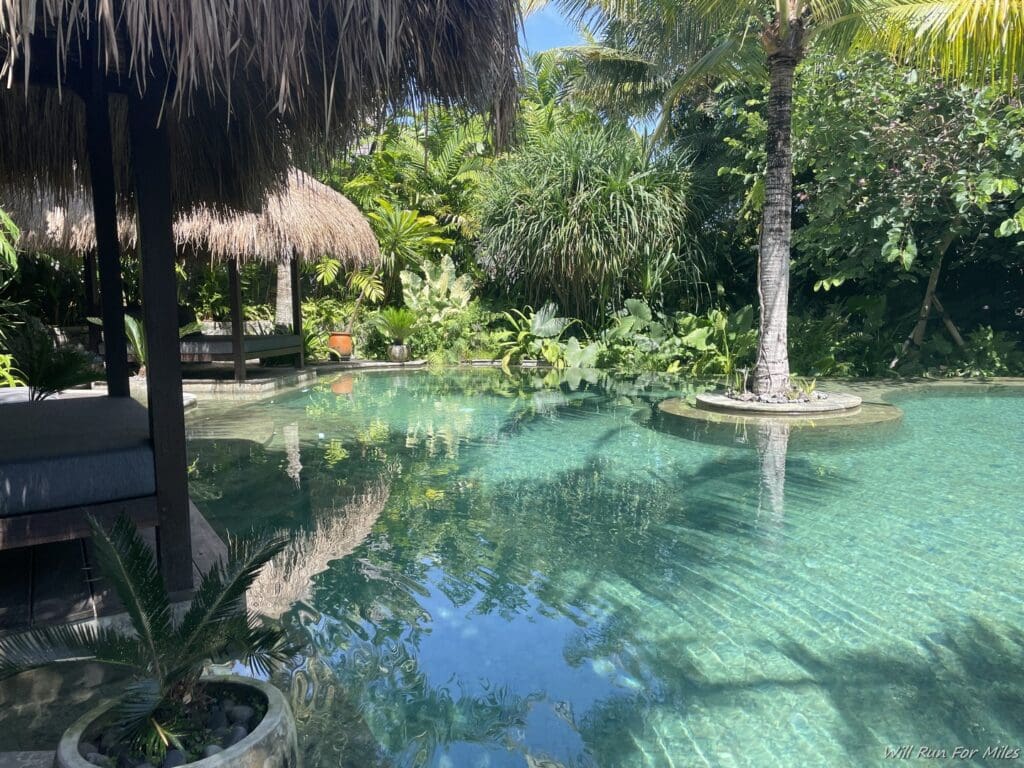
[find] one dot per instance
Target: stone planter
(272, 743)
(398, 353)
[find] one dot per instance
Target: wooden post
(297, 312)
(92, 303)
(108, 249)
(150, 154)
(916, 336)
(948, 322)
(237, 321)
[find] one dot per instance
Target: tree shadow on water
(963, 686)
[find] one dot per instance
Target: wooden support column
(954, 332)
(237, 320)
(108, 249)
(150, 155)
(92, 304)
(297, 312)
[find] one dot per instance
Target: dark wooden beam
(237, 320)
(297, 313)
(151, 164)
(92, 302)
(108, 249)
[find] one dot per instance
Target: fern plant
(165, 658)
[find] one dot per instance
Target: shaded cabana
(304, 221)
(162, 105)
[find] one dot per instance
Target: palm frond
(128, 563)
(979, 41)
(136, 705)
(68, 644)
(265, 647)
(221, 594)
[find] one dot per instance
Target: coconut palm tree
(652, 53)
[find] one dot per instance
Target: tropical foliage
(588, 217)
(8, 373)
(851, 169)
(164, 657)
(439, 294)
(9, 234)
(534, 334)
(396, 323)
(42, 364)
(974, 41)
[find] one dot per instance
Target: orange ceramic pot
(341, 344)
(343, 385)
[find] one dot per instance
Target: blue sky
(547, 29)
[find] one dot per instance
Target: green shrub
(716, 343)
(587, 217)
(8, 373)
(396, 324)
(43, 365)
(320, 316)
(989, 353)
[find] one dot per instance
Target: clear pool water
(491, 572)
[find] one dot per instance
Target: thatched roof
(307, 219)
(288, 578)
(250, 86)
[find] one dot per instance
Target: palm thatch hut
(304, 221)
(165, 104)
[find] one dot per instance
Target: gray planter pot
(398, 353)
(272, 743)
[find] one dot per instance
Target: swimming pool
(491, 571)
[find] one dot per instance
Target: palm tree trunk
(283, 299)
(772, 447)
(771, 375)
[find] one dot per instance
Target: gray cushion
(68, 453)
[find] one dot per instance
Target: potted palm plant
(170, 713)
(397, 324)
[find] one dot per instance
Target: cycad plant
(46, 367)
(406, 239)
(396, 323)
(164, 657)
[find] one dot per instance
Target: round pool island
(821, 403)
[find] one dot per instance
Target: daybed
(62, 460)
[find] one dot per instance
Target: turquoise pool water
(491, 572)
